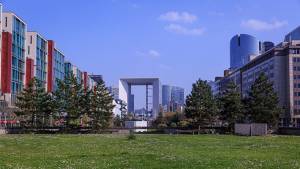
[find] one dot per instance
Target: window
(28, 50)
(5, 21)
(31, 39)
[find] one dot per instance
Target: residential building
(36, 61)
(12, 56)
(56, 66)
(96, 78)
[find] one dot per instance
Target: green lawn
(148, 151)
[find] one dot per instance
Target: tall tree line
(71, 105)
(260, 105)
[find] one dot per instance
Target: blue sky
(178, 41)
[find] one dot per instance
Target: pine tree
(200, 104)
(101, 106)
(262, 102)
(34, 102)
(68, 98)
(231, 106)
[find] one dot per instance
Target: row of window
(294, 51)
(296, 85)
(297, 94)
(296, 68)
(296, 77)
(296, 111)
(296, 59)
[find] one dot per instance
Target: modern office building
(96, 78)
(166, 95)
(56, 66)
(265, 46)
(37, 56)
(242, 48)
(172, 98)
(282, 66)
(293, 35)
(153, 98)
(114, 91)
(12, 56)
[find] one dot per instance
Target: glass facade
(294, 35)
(18, 56)
(58, 67)
(241, 48)
(41, 60)
(78, 76)
(68, 69)
(166, 95)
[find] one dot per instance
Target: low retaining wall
(3, 131)
(289, 131)
(253, 129)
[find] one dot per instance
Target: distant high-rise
(242, 47)
(265, 46)
(97, 78)
(293, 35)
(114, 91)
(131, 104)
(172, 97)
(166, 94)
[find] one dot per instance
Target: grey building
(282, 66)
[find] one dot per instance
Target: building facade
(281, 64)
(13, 56)
(37, 51)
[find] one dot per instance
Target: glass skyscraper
(293, 35)
(172, 97)
(241, 48)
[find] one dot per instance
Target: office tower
(265, 46)
(242, 48)
(36, 61)
(166, 96)
(56, 66)
(293, 35)
(281, 64)
(172, 98)
(114, 91)
(96, 78)
(12, 56)
(131, 104)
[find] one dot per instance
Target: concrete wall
(254, 129)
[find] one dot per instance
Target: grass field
(148, 151)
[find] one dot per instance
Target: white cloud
(260, 25)
(174, 16)
(151, 53)
(183, 30)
